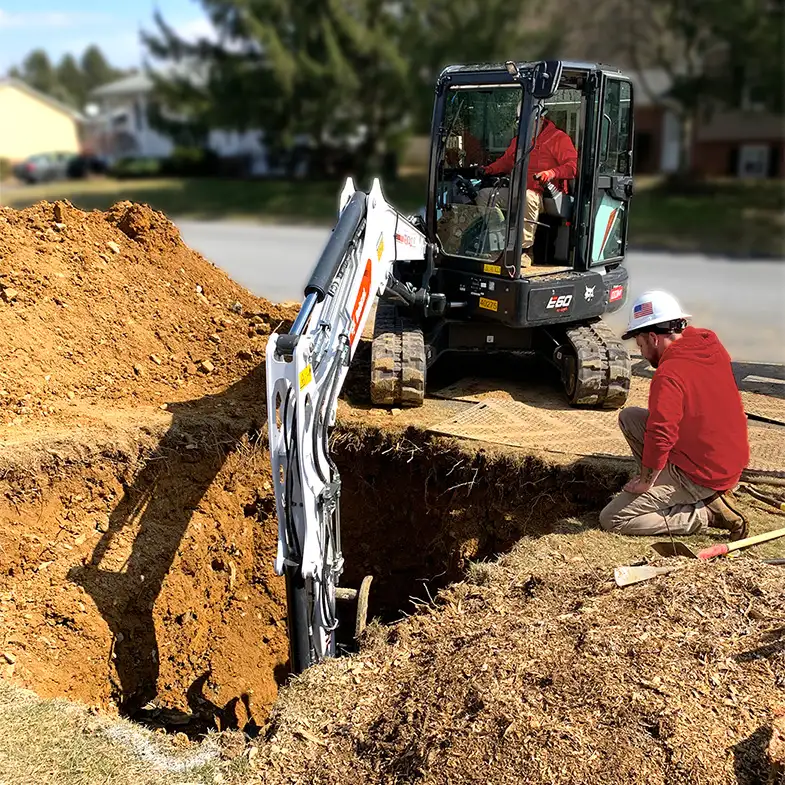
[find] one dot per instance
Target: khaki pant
(674, 504)
(531, 210)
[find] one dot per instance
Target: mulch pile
(115, 307)
(541, 671)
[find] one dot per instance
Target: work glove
(545, 176)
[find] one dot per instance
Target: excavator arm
(306, 369)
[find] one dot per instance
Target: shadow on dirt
(154, 514)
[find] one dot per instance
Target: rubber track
(397, 359)
(604, 367)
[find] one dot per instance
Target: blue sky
(61, 26)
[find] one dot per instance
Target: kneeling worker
(691, 444)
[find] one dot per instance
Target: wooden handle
(723, 548)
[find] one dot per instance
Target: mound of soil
(543, 672)
(115, 307)
(135, 559)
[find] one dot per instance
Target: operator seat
(552, 239)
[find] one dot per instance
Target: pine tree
(71, 81)
(96, 70)
(37, 71)
(328, 70)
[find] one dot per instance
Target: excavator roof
(501, 68)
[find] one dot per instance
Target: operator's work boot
(723, 515)
(526, 258)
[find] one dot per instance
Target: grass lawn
(721, 217)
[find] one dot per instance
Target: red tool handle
(715, 550)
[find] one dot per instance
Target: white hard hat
(651, 309)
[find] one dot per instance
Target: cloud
(47, 19)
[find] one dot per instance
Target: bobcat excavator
(450, 280)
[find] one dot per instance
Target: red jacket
(553, 149)
(696, 416)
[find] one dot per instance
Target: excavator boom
(306, 369)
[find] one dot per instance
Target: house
(740, 144)
(118, 127)
(747, 142)
(35, 123)
(657, 129)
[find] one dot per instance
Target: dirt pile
(541, 671)
(113, 306)
(135, 545)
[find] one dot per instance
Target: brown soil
(136, 543)
(417, 510)
(138, 532)
(113, 306)
(541, 671)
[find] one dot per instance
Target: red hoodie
(696, 416)
(553, 149)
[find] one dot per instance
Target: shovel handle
(715, 550)
(724, 548)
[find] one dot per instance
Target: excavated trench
(143, 582)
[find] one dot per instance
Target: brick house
(741, 143)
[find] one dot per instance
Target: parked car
(43, 166)
(81, 166)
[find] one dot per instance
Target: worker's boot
(723, 515)
(526, 258)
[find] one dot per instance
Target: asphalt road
(742, 300)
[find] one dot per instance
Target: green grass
(211, 199)
(729, 217)
(61, 743)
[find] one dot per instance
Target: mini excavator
(450, 280)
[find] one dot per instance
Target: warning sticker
(492, 269)
(306, 376)
(489, 305)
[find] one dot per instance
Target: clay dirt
(137, 536)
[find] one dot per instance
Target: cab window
(479, 125)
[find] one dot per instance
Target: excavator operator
(691, 443)
(553, 158)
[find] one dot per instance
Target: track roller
(596, 368)
(397, 359)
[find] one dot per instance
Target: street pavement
(740, 299)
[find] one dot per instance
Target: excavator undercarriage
(593, 362)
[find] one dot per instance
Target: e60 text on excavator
(452, 280)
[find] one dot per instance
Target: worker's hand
(480, 170)
(637, 485)
(643, 481)
(545, 176)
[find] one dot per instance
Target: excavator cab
(504, 276)
(478, 221)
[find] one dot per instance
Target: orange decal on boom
(361, 302)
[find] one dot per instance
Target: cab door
(612, 187)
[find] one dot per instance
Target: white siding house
(119, 126)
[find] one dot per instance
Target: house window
(753, 160)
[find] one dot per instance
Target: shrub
(191, 162)
(129, 167)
